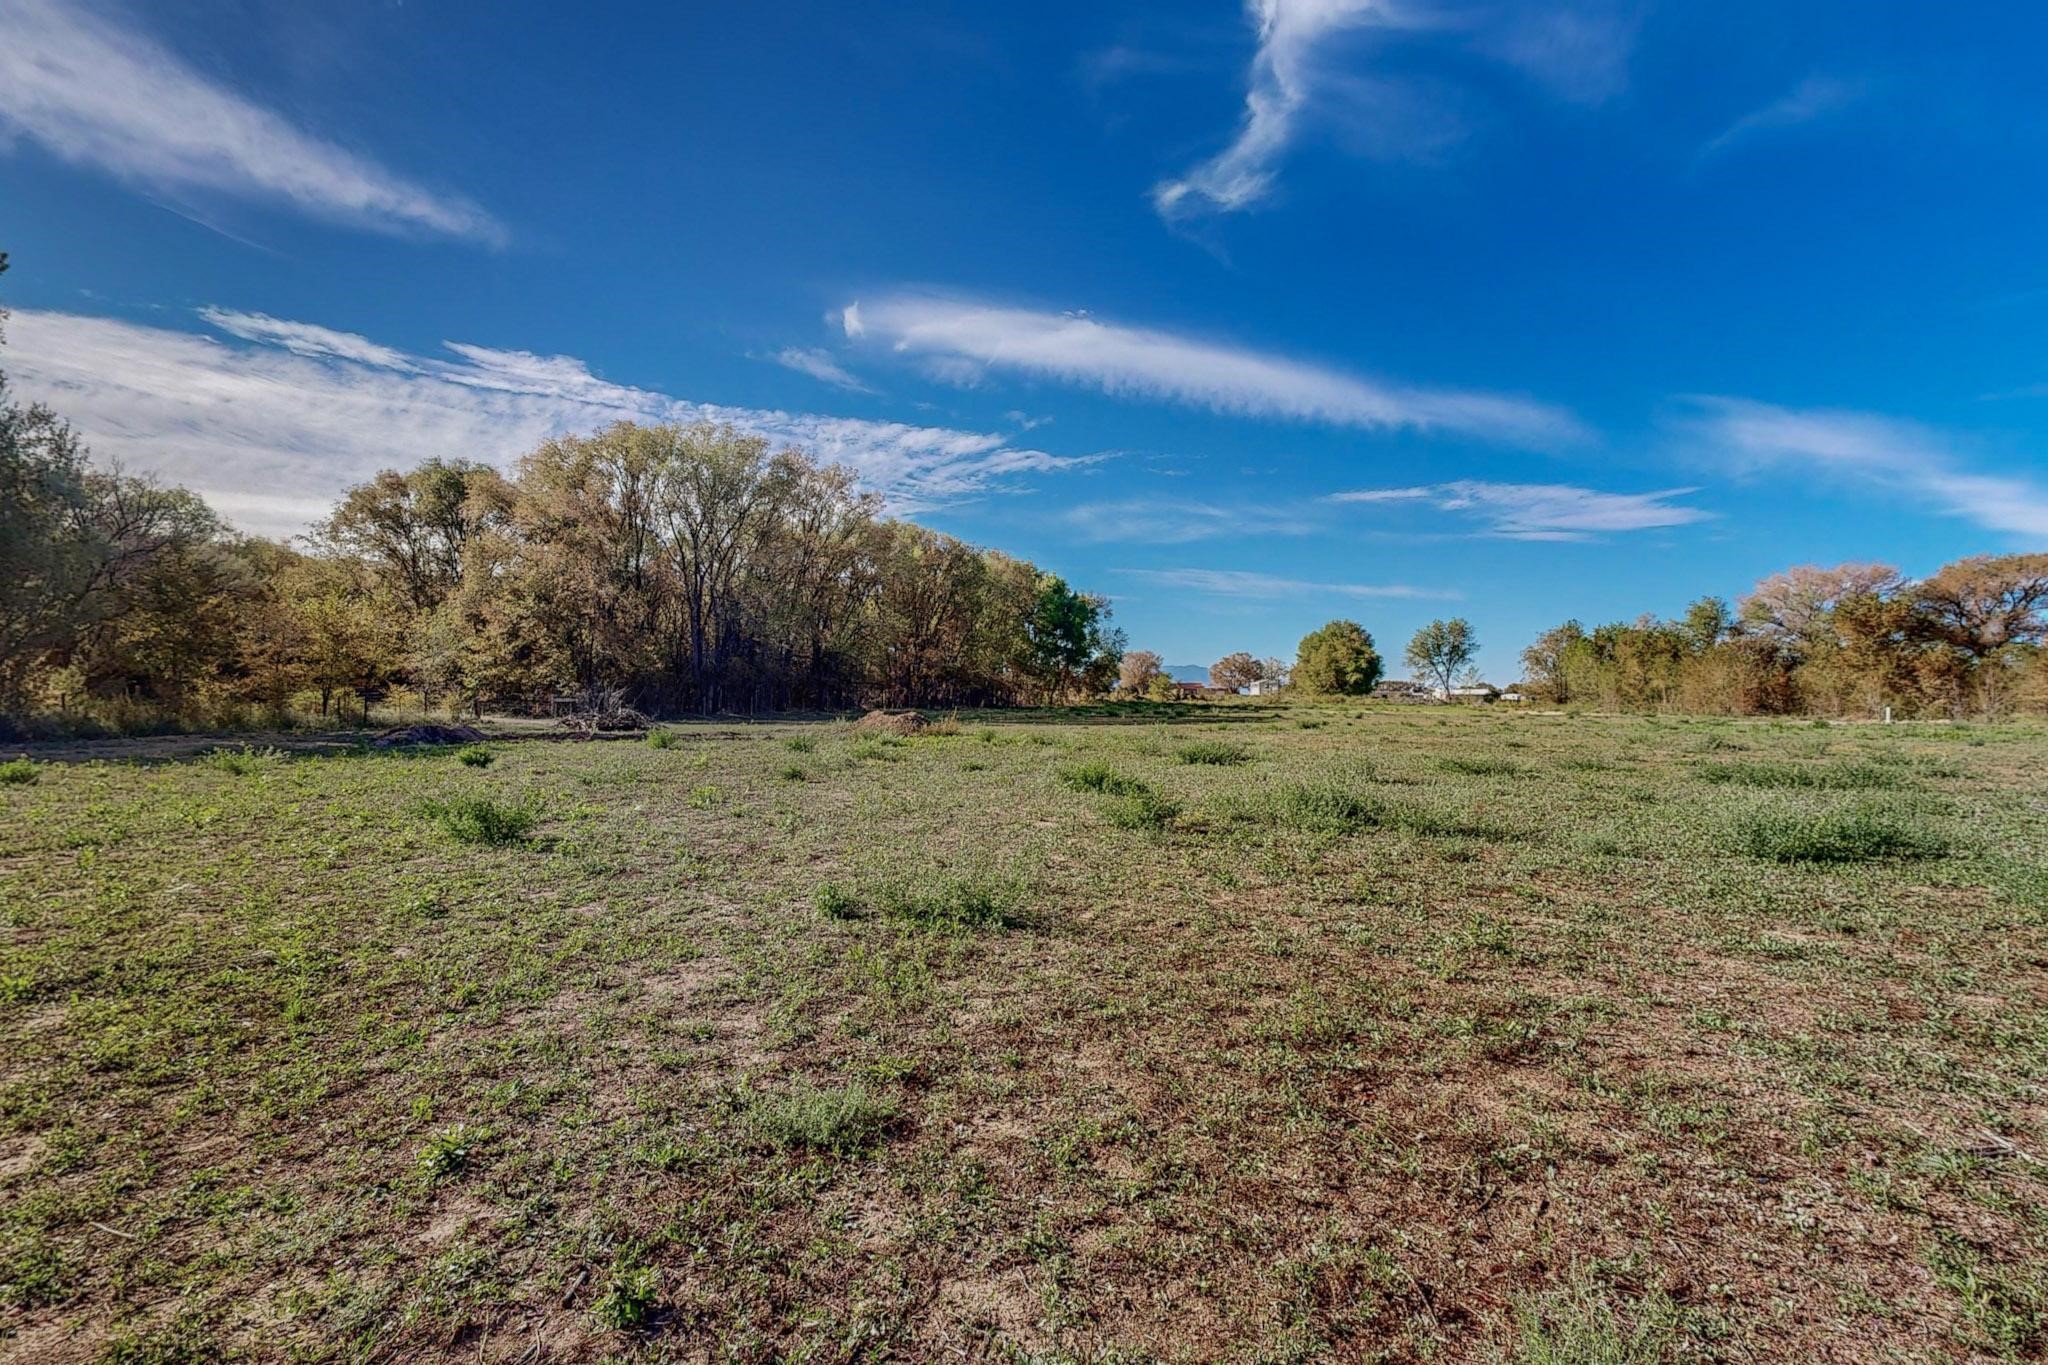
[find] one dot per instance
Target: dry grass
(1449, 1036)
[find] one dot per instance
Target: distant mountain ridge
(1188, 672)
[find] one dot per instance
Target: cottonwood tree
(1337, 660)
(1138, 669)
(1443, 650)
(1234, 671)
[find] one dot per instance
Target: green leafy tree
(1442, 650)
(1338, 660)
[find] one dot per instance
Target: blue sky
(1249, 316)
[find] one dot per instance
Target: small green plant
(1100, 777)
(869, 751)
(836, 900)
(1213, 753)
(482, 820)
(1860, 833)
(449, 1152)
(792, 772)
(1321, 808)
(800, 744)
(628, 1297)
(1469, 766)
(845, 1120)
(707, 796)
(1582, 1324)
(19, 772)
(662, 739)
(475, 756)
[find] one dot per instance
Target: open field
(1254, 1033)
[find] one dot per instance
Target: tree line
(692, 567)
(1854, 639)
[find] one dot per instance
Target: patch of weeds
(1808, 776)
(2008, 1315)
(792, 772)
(475, 756)
(241, 762)
(845, 1120)
(800, 744)
(663, 739)
(939, 900)
(1143, 809)
(1849, 834)
(1583, 1324)
(482, 820)
(34, 1271)
(19, 772)
(628, 1298)
(836, 900)
(974, 765)
(1100, 777)
(1320, 808)
(705, 797)
(1213, 753)
(1469, 766)
(870, 751)
(449, 1152)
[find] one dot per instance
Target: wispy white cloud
(100, 94)
(819, 365)
(1882, 454)
(270, 432)
(1578, 50)
(1260, 586)
(971, 338)
(1541, 511)
(1814, 98)
(1175, 521)
(1285, 74)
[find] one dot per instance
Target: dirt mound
(890, 723)
(428, 734)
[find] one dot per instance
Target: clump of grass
(2008, 1313)
(475, 756)
(974, 765)
(792, 772)
(800, 744)
(706, 797)
(836, 900)
(1213, 753)
(1320, 808)
(845, 1120)
(1860, 833)
(19, 772)
(870, 751)
(938, 900)
(943, 729)
(1806, 776)
(449, 1152)
(1469, 766)
(1145, 809)
(662, 739)
(1100, 777)
(1582, 1325)
(628, 1297)
(482, 820)
(241, 762)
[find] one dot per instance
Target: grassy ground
(1256, 1033)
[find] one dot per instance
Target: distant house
(1476, 692)
(1400, 689)
(1264, 687)
(1199, 691)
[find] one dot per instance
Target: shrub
(946, 901)
(1145, 809)
(1321, 808)
(241, 762)
(1852, 834)
(844, 1120)
(800, 744)
(791, 772)
(836, 900)
(19, 772)
(662, 739)
(481, 820)
(475, 756)
(1213, 753)
(1100, 777)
